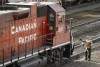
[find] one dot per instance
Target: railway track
(86, 29)
(86, 23)
(83, 17)
(82, 7)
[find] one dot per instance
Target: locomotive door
(51, 23)
(60, 24)
(60, 27)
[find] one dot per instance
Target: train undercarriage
(57, 54)
(46, 58)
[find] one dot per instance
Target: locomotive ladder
(48, 44)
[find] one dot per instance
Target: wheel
(89, 0)
(97, 0)
(80, 1)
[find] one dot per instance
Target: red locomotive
(30, 28)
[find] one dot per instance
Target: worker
(87, 45)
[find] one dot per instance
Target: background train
(33, 28)
(64, 3)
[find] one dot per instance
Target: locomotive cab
(56, 25)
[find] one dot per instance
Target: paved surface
(95, 61)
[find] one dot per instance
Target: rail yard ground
(94, 62)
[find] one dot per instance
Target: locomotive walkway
(78, 53)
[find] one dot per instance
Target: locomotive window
(51, 27)
(21, 16)
(41, 11)
(59, 19)
(59, 22)
(51, 15)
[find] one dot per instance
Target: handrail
(3, 60)
(32, 40)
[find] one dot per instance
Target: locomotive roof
(19, 10)
(32, 3)
(53, 5)
(57, 8)
(23, 3)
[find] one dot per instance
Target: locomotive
(33, 28)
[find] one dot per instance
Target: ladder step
(49, 39)
(49, 43)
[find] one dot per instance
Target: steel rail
(88, 22)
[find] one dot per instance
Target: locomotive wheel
(80, 1)
(59, 54)
(89, 0)
(50, 57)
(55, 55)
(97, 0)
(67, 4)
(67, 52)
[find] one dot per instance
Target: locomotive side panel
(19, 39)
